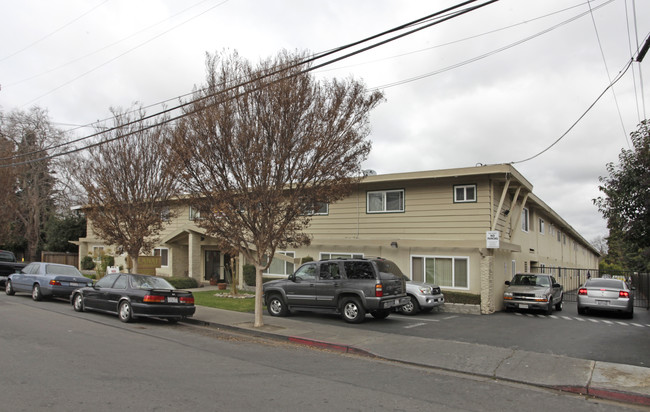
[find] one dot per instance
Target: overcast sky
(497, 85)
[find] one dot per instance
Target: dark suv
(351, 287)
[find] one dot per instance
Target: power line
(618, 77)
(272, 73)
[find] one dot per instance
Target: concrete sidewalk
(624, 383)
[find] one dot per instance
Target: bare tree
(258, 157)
(129, 182)
(31, 134)
(8, 198)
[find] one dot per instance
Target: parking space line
(450, 317)
(415, 325)
(567, 318)
(579, 319)
(623, 323)
(638, 325)
(593, 320)
(553, 316)
(607, 322)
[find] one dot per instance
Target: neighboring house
(433, 224)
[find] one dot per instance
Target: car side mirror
(508, 282)
(292, 277)
(557, 285)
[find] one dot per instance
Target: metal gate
(571, 279)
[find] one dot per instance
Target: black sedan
(131, 296)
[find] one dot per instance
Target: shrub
(249, 274)
(183, 282)
(459, 297)
(87, 263)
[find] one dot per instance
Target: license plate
(74, 284)
(523, 306)
(171, 299)
(602, 302)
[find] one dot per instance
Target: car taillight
(153, 299)
(55, 282)
(623, 294)
(582, 291)
(379, 291)
(187, 299)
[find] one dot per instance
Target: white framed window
(564, 238)
(337, 255)
(194, 214)
(385, 201)
(514, 268)
(281, 267)
(165, 214)
(525, 222)
(559, 236)
(444, 271)
(541, 226)
(464, 193)
(163, 252)
(318, 209)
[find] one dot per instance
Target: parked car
(131, 296)
(350, 287)
(606, 294)
(533, 291)
(43, 280)
(423, 298)
(8, 265)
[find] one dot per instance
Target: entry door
(212, 263)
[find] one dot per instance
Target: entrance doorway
(212, 264)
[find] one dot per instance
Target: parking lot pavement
(595, 378)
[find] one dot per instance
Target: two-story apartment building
(466, 229)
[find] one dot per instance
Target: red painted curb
(620, 396)
(328, 345)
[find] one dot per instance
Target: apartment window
(334, 255)
(385, 201)
(450, 272)
(281, 267)
(464, 193)
(164, 256)
(563, 238)
(526, 267)
(165, 214)
(524, 220)
(541, 226)
(318, 209)
(194, 214)
(559, 235)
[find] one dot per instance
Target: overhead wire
(272, 73)
(611, 84)
(609, 77)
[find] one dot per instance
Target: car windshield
(530, 280)
(6, 257)
(62, 270)
(149, 282)
(604, 283)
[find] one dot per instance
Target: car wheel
(172, 320)
(380, 314)
(411, 308)
(78, 302)
(276, 307)
(9, 288)
(549, 309)
(36, 292)
(352, 310)
(630, 314)
(558, 306)
(124, 312)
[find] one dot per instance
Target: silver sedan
(607, 295)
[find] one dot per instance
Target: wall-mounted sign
(492, 239)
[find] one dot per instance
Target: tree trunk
(233, 276)
(258, 297)
(134, 264)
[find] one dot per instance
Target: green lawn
(212, 299)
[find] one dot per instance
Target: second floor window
(524, 220)
(385, 201)
(464, 193)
